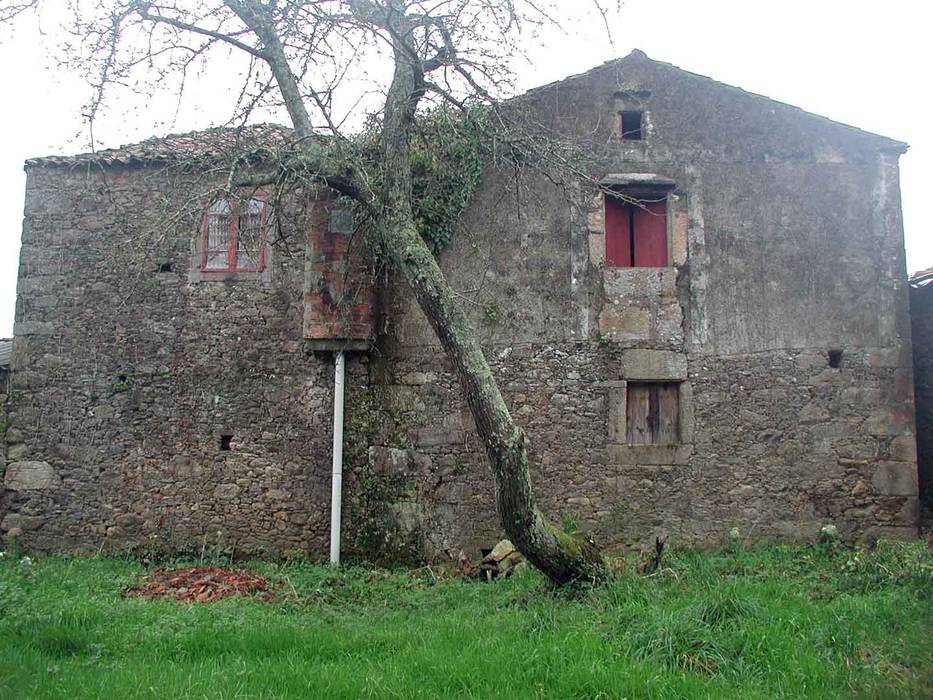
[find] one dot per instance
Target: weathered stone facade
(5, 348)
(781, 317)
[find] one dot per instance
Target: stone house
(719, 338)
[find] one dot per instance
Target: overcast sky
(861, 63)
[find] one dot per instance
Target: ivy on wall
(449, 152)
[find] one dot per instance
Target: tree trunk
(562, 557)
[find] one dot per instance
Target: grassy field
(767, 623)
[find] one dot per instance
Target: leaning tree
(303, 56)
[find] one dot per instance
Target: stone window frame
(649, 366)
(634, 100)
(197, 271)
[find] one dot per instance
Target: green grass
(767, 623)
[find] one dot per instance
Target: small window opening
(631, 125)
(121, 378)
(165, 267)
(835, 359)
(341, 220)
(225, 441)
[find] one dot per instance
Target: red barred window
(233, 235)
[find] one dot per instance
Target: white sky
(854, 61)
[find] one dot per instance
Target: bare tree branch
(143, 9)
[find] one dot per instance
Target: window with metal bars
(233, 235)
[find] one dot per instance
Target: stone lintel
(337, 344)
(654, 365)
(651, 181)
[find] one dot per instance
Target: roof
(921, 278)
(6, 351)
(637, 55)
(220, 141)
(215, 142)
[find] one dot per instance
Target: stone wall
(152, 406)
(785, 249)
(781, 445)
(129, 375)
(921, 318)
(4, 407)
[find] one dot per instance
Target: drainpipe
(337, 474)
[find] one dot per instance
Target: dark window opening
(225, 441)
(165, 267)
(835, 358)
(121, 378)
(631, 125)
(636, 232)
(652, 413)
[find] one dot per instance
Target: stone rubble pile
(501, 561)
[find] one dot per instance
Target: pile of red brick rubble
(203, 585)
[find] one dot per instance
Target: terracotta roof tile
(176, 147)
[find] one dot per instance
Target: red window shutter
(650, 234)
(618, 233)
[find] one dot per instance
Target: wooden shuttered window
(636, 232)
(652, 413)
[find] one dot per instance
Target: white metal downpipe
(336, 490)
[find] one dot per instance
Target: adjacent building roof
(6, 351)
(921, 278)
